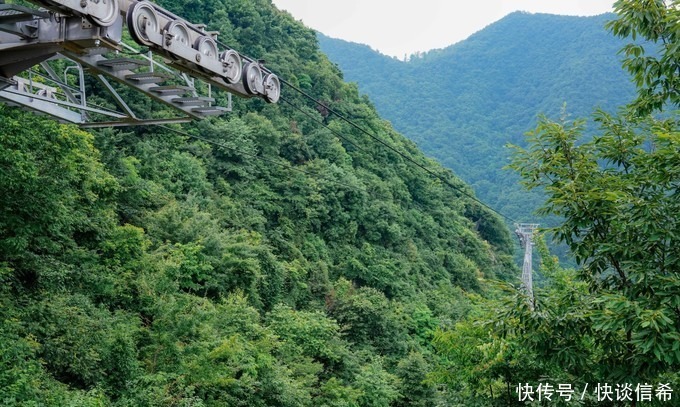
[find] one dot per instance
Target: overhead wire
(388, 146)
(376, 138)
(352, 143)
(312, 117)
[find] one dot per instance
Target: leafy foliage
(652, 57)
(617, 318)
(266, 263)
(464, 103)
(618, 195)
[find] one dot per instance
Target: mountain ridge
(461, 106)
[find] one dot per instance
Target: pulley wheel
(179, 32)
(206, 46)
(232, 65)
(142, 19)
(111, 13)
(272, 88)
(252, 78)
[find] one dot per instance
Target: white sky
(400, 27)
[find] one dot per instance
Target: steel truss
(525, 232)
(87, 36)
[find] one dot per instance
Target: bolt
(198, 57)
(83, 3)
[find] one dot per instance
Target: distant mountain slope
(462, 104)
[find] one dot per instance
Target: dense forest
(268, 263)
(464, 103)
(281, 256)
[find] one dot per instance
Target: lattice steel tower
(525, 232)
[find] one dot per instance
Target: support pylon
(525, 232)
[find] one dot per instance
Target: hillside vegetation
(608, 331)
(267, 263)
(280, 256)
(464, 103)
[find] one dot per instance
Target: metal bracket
(88, 32)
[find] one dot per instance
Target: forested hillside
(266, 263)
(463, 104)
(608, 332)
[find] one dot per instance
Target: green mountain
(255, 259)
(463, 104)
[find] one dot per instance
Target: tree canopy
(255, 259)
(464, 103)
(614, 320)
(259, 259)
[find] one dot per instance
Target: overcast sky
(400, 27)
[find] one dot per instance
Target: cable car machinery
(90, 34)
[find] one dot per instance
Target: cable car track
(84, 30)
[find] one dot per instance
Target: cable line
(336, 133)
(377, 139)
(385, 144)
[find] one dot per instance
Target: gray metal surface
(525, 232)
(89, 33)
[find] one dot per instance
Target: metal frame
(525, 232)
(89, 33)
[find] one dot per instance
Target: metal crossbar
(89, 33)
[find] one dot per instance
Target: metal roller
(231, 61)
(90, 34)
(142, 19)
(177, 31)
(272, 88)
(252, 78)
(100, 12)
(207, 47)
(107, 12)
(196, 52)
